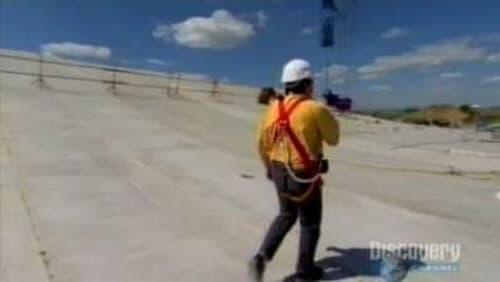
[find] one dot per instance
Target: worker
(290, 140)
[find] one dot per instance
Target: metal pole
(167, 89)
(177, 84)
(112, 88)
(40, 81)
(215, 87)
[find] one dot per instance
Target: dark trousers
(309, 213)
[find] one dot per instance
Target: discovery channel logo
(421, 257)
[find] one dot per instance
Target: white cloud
(444, 52)
(262, 19)
(76, 50)
(381, 88)
(221, 30)
(491, 79)
(493, 58)
(307, 31)
(451, 75)
(394, 32)
(154, 61)
(337, 74)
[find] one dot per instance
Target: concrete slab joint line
(22, 258)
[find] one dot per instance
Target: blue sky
(389, 53)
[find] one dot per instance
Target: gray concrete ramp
(140, 186)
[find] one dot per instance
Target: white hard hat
(296, 70)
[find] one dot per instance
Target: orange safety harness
(284, 129)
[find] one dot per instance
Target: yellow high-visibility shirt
(311, 121)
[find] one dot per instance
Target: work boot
(256, 268)
(312, 274)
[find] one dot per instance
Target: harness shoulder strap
(285, 113)
(284, 123)
(284, 127)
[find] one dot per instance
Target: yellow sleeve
(328, 126)
(263, 140)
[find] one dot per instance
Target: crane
(330, 14)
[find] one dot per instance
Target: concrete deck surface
(140, 186)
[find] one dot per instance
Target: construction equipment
(336, 30)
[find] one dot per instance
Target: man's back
(311, 122)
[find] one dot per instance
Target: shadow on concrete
(359, 262)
